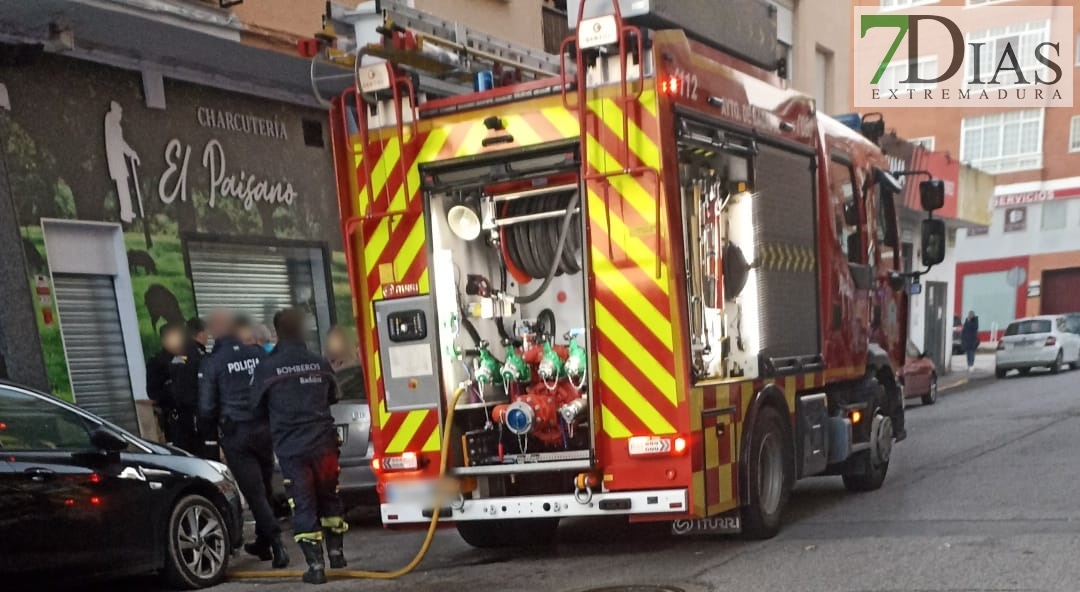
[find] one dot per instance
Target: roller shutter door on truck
(1061, 291)
(94, 343)
(258, 281)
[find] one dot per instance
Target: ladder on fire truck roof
(443, 55)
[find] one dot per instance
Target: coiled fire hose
(444, 463)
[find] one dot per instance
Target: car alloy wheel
(201, 542)
(198, 551)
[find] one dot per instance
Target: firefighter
(297, 388)
(226, 398)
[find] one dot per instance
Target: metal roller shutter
(253, 281)
(94, 342)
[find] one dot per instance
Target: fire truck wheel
(491, 534)
(866, 470)
(770, 474)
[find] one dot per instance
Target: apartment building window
(1003, 142)
(1023, 38)
(823, 79)
(896, 73)
(927, 142)
(1054, 215)
(898, 4)
(1074, 134)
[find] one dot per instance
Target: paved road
(982, 496)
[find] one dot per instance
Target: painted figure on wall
(117, 153)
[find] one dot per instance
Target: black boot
(281, 558)
(260, 548)
(335, 549)
(316, 573)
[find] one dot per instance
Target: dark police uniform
(297, 387)
(173, 383)
(227, 397)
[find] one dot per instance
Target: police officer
(227, 397)
(297, 388)
(172, 384)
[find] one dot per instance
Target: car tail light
(408, 461)
(657, 445)
(1051, 341)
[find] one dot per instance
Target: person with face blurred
(172, 384)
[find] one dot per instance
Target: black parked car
(80, 497)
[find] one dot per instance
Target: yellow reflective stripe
(564, 121)
(522, 132)
(406, 432)
(433, 444)
(640, 143)
(619, 386)
(657, 374)
(612, 426)
(473, 141)
(410, 248)
(642, 255)
(648, 101)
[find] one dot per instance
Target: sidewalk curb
(965, 382)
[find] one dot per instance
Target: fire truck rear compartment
(511, 313)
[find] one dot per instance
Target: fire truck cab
(667, 286)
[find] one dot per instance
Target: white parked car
(1043, 341)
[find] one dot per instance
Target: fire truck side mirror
(932, 194)
(933, 241)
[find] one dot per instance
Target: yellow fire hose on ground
(444, 462)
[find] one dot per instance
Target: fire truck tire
(866, 471)
(770, 475)
(491, 534)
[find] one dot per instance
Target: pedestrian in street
(227, 398)
(172, 384)
(969, 338)
(297, 387)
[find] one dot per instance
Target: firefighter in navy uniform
(297, 388)
(227, 398)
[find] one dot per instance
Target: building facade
(140, 190)
(1027, 259)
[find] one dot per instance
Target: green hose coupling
(551, 365)
(576, 362)
(515, 369)
(487, 371)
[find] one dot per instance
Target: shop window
(1074, 134)
(1054, 215)
(258, 281)
(992, 297)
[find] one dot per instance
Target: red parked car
(919, 376)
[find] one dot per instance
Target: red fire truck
(666, 285)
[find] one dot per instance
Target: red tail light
(1051, 341)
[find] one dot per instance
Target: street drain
(636, 588)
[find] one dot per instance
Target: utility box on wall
(745, 28)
